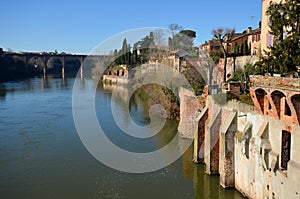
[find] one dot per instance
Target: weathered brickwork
(277, 97)
(254, 148)
(189, 109)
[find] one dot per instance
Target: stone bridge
(49, 62)
(277, 97)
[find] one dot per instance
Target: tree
(236, 52)
(124, 51)
(236, 49)
(245, 48)
(144, 47)
(243, 75)
(216, 55)
(173, 28)
(184, 40)
(224, 36)
(284, 22)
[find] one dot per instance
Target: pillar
(45, 65)
(200, 136)
(63, 66)
(81, 69)
(226, 155)
(211, 146)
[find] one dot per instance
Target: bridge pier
(63, 66)
(44, 72)
(81, 69)
(81, 72)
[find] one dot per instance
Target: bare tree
(161, 44)
(224, 36)
(174, 28)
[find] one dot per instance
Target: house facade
(210, 45)
(252, 37)
(267, 38)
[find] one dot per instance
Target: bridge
(45, 62)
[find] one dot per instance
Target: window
(285, 149)
(269, 40)
(285, 35)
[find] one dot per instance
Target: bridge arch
(72, 64)
(18, 60)
(54, 65)
(36, 62)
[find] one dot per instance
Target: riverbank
(153, 94)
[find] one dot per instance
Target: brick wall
(188, 111)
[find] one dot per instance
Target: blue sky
(79, 26)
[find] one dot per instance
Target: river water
(42, 156)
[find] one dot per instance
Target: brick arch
(296, 103)
(260, 96)
(277, 96)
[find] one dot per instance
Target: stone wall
(112, 79)
(240, 63)
(252, 150)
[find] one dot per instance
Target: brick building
(210, 45)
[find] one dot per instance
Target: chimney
(249, 29)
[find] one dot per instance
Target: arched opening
(296, 103)
(54, 65)
(260, 96)
(72, 66)
(35, 65)
(277, 97)
(287, 110)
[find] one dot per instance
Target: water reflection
(41, 155)
(204, 186)
(2, 92)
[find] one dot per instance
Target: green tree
(216, 55)
(236, 49)
(243, 75)
(144, 46)
(235, 53)
(284, 55)
(245, 48)
(124, 51)
(183, 40)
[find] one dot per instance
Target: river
(42, 156)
